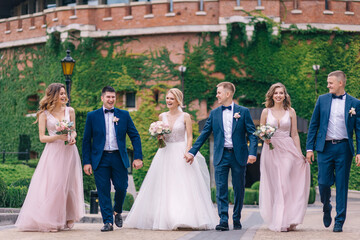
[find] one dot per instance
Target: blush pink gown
(55, 193)
(285, 179)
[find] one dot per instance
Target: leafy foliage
(253, 66)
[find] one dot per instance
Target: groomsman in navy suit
(230, 124)
(332, 125)
(104, 152)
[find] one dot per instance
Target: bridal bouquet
(159, 128)
(64, 127)
(265, 132)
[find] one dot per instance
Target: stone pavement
(253, 228)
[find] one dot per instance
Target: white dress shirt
(228, 117)
(337, 128)
(110, 139)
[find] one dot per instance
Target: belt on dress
(336, 141)
(112, 151)
(228, 149)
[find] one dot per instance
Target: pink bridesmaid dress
(285, 179)
(55, 194)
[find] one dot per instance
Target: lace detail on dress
(178, 130)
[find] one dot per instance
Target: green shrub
(231, 195)
(22, 182)
(3, 189)
(33, 163)
(256, 185)
(129, 201)
(89, 184)
(312, 195)
(11, 173)
(213, 195)
(15, 196)
(251, 197)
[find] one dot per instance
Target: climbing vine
(252, 65)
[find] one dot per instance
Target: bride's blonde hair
(50, 99)
(178, 95)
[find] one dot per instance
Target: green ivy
(253, 66)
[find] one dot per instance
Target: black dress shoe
(337, 227)
(327, 218)
(237, 226)
(107, 227)
(222, 227)
(118, 220)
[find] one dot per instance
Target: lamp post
(68, 64)
(182, 69)
(316, 69)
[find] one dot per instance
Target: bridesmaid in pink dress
(285, 175)
(55, 197)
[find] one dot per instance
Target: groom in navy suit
(104, 152)
(230, 123)
(331, 129)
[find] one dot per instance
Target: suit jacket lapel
(347, 108)
(220, 117)
(235, 121)
(101, 116)
(116, 114)
(328, 110)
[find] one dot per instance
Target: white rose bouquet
(159, 128)
(265, 132)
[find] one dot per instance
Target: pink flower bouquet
(159, 128)
(64, 127)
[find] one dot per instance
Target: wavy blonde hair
(269, 102)
(50, 99)
(178, 95)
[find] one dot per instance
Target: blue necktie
(228, 107)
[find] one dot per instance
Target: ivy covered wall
(252, 65)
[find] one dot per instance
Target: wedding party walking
(230, 125)
(55, 199)
(174, 194)
(284, 172)
(332, 126)
(104, 154)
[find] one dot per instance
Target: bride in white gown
(174, 194)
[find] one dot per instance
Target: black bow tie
(338, 97)
(107, 110)
(228, 107)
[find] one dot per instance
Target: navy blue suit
(334, 160)
(224, 160)
(108, 166)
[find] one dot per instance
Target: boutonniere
(352, 111)
(237, 115)
(115, 120)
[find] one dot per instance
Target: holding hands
(189, 158)
(251, 159)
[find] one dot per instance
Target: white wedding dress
(174, 193)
